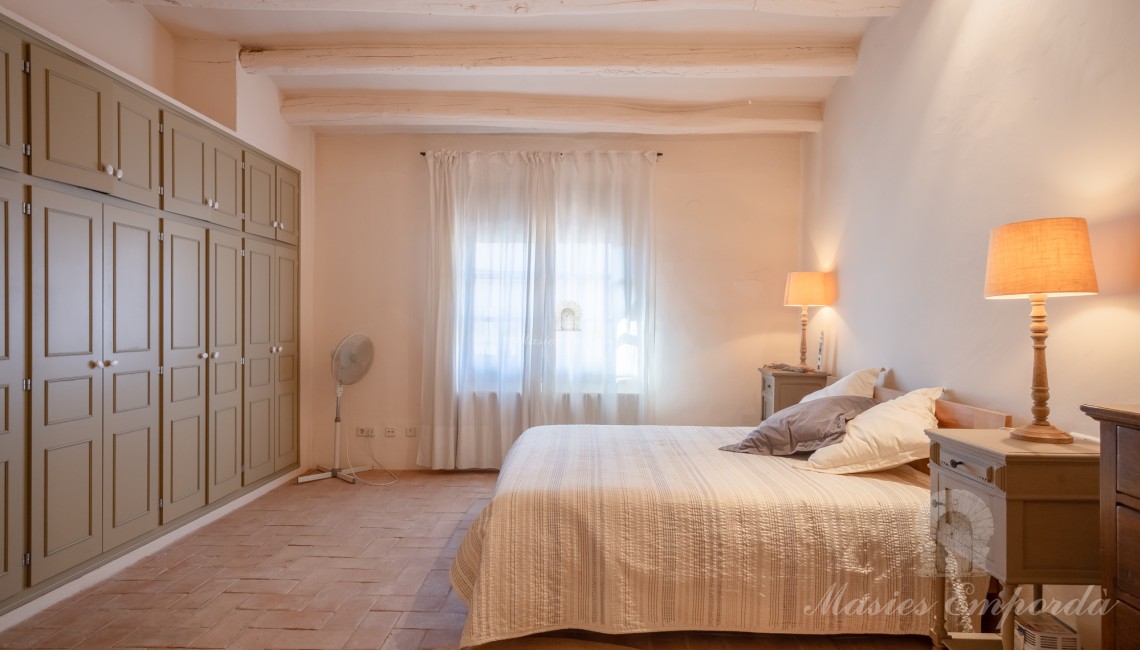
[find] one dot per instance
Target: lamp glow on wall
(1037, 259)
(808, 289)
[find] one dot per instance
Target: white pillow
(859, 384)
(886, 435)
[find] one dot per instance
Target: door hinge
(243, 216)
(161, 191)
(161, 236)
(27, 384)
(161, 127)
(27, 559)
(26, 65)
(243, 165)
(27, 150)
(243, 361)
(161, 369)
(26, 208)
(243, 252)
(161, 504)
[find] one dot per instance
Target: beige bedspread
(621, 529)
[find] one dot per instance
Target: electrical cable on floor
(348, 457)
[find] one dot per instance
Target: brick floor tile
(291, 602)
(403, 640)
(284, 620)
(262, 586)
(309, 639)
(349, 615)
(169, 637)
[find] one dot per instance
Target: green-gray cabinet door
(130, 375)
(136, 152)
(286, 357)
(66, 459)
(184, 360)
(260, 196)
(72, 126)
(12, 101)
(187, 153)
(224, 381)
(288, 205)
(226, 180)
(259, 346)
(13, 413)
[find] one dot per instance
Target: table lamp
(1037, 259)
(808, 289)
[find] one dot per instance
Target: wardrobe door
(184, 361)
(186, 167)
(136, 148)
(285, 356)
(12, 101)
(130, 388)
(66, 467)
(71, 121)
(260, 196)
(259, 346)
(227, 183)
(13, 414)
(223, 335)
(288, 205)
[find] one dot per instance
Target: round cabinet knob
(217, 204)
(98, 363)
(276, 224)
(119, 174)
(209, 203)
(110, 169)
(215, 355)
(111, 362)
(203, 355)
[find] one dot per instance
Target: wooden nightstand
(1027, 512)
(783, 388)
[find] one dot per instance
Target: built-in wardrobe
(148, 316)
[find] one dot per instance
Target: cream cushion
(860, 383)
(886, 435)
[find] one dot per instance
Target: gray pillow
(804, 427)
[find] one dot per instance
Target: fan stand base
(343, 473)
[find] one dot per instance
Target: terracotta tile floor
(326, 565)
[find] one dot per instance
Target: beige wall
(963, 116)
(128, 39)
(727, 231)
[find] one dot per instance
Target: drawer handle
(955, 463)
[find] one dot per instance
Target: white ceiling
(268, 29)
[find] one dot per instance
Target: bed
(625, 529)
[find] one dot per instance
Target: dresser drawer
(1127, 563)
(958, 463)
(1127, 469)
(1126, 625)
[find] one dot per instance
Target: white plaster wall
(963, 116)
(727, 232)
(125, 36)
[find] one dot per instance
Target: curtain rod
(659, 154)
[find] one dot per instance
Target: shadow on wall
(1116, 251)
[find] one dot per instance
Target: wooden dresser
(783, 388)
(1120, 521)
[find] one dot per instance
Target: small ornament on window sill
(568, 317)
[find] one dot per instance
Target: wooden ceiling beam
(601, 61)
(505, 112)
(822, 8)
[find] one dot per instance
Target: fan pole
(346, 474)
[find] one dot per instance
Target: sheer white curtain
(539, 298)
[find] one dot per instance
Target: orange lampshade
(1043, 256)
(809, 288)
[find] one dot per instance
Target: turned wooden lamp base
(1041, 433)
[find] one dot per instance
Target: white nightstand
(1028, 511)
(783, 388)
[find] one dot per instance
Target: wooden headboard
(952, 415)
